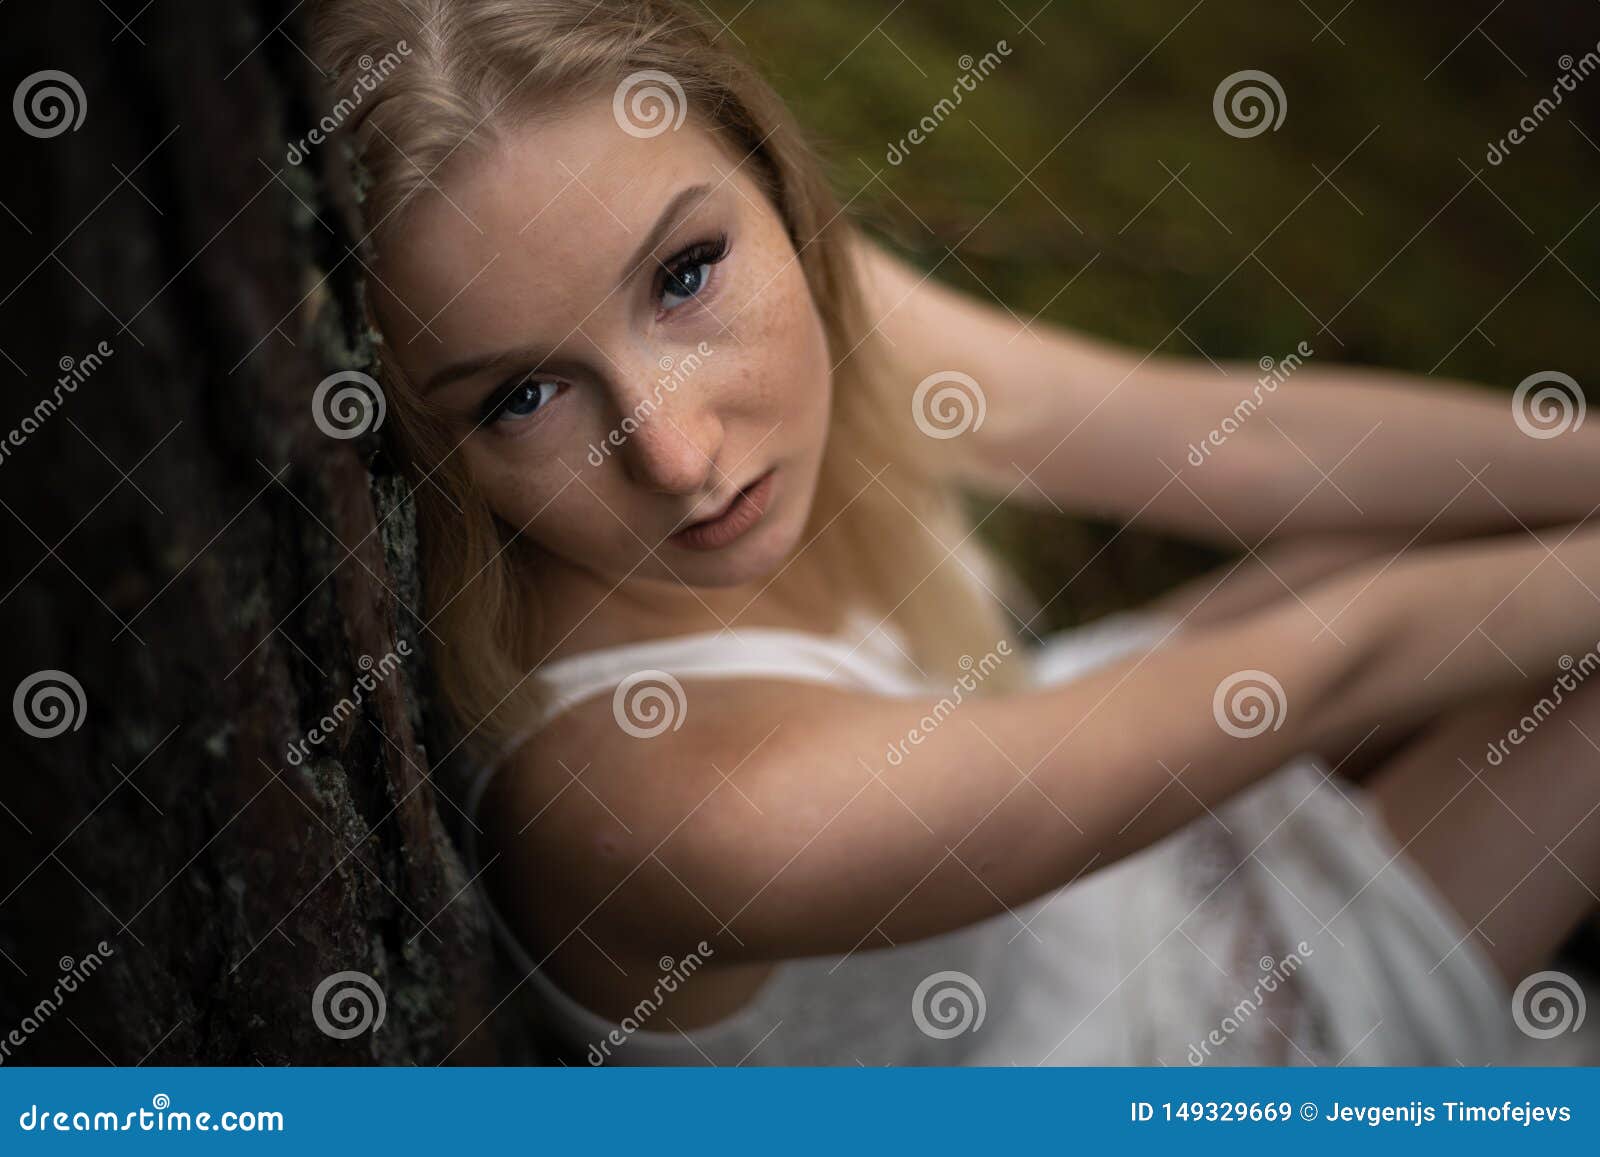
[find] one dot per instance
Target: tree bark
(188, 545)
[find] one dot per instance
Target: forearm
(1402, 641)
(1230, 453)
(1180, 447)
(1347, 448)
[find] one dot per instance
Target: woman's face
(624, 343)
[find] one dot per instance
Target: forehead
(541, 223)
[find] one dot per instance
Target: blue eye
(685, 275)
(525, 397)
(686, 285)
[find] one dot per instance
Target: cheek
(538, 497)
(519, 487)
(791, 367)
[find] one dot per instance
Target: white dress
(1284, 928)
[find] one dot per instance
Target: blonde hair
(899, 542)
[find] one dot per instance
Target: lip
(742, 512)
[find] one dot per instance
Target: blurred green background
(1417, 253)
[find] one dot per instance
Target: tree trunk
(188, 546)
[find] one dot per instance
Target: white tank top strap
(865, 655)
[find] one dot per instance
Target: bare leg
(1513, 848)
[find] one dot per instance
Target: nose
(677, 436)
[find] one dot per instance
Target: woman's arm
(774, 824)
(1223, 458)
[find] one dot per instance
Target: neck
(580, 610)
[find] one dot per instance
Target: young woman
(766, 773)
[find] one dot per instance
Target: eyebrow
(677, 208)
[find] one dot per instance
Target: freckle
(608, 845)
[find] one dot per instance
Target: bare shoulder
(656, 821)
(615, 840)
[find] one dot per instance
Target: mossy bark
(211, 567)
